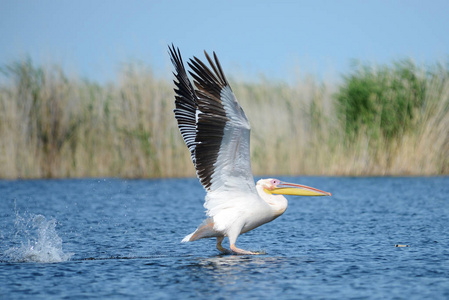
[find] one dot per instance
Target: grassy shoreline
(53, 126)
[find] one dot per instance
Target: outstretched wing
(213, 125)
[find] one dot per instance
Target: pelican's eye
(275, 182)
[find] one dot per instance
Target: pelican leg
(220, 247)
(233, 233)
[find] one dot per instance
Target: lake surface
(113, 239)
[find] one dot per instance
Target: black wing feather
(185, 102)
(200, 113)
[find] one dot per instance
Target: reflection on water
(226, 270)
(254, 276)
(225, 264)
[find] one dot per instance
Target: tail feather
(187, 238)
(205, 230)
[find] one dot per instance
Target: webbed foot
(236, 250)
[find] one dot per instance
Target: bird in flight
(217, 133)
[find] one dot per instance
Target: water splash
(36, 240)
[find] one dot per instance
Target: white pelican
(216, 131)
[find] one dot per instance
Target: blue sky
(280, 39)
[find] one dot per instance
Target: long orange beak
(293, 189)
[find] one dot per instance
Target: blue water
(111, 238)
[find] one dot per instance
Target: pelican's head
(275, 186)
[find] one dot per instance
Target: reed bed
(55, 126)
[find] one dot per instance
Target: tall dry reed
(52, 125)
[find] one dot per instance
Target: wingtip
(171, 48)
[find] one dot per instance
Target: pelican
(217, 133)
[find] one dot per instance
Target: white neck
(278, 203)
